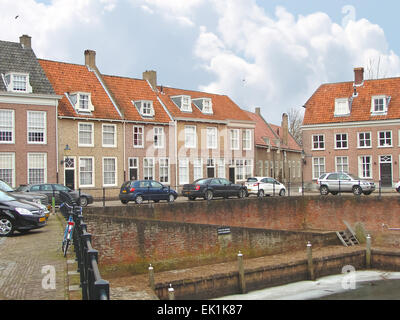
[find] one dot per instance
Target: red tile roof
(125, 90)
(67, 77)
(321, 105)
(223, 107)
(272, 132)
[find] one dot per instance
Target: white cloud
(277, 62)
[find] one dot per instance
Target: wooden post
(242, 280)
(171, 294)
(368, 252)
(151, 277)
(310, 262)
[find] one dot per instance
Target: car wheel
(241, 194)
(357, 190)
(324, 190)
(192, 198)
(260, 193)
(6, 226)
(139, 199)
(282, 193)
(334, 193)
(83, 202)
(398, 189)
(124, 201)
(171, 198)
(367, 193)
(208, 195)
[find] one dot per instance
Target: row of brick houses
(354, 127)
(71, 124)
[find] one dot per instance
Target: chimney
(90, 59)
(358, 76)
(285, 129)
(151, 77)
(258, 111)
(25, 41)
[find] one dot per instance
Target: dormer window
(204, 104)
(17, 82)
(184, 103)
(379, 104)
(342, 107)
(81, 101)
(145, 108)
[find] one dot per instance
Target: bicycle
(69, 229)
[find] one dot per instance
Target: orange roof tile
(270, 131)
(223, 107)
(125, 90)
(67, 77)
(321, 105)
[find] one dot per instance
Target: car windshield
(5, 197)
(5, 187)
(252, 180)
(200, 181)
(60, 187)
(22, 188)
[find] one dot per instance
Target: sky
(271, 54)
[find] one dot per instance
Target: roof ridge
(122, 77)
(62, 62)
(198, 91)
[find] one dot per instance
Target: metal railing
(93, 286)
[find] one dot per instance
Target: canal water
(354, 285)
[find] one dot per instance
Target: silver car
(335, 182)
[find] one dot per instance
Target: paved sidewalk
(27, 260)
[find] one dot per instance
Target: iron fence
(93, 286)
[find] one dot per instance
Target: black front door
(210, 173)
(70, 179)
(232, 175)
(386, 174)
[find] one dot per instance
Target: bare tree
(296, 116)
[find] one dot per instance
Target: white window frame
(134, 159)
(385, 139)
(10, 79)
(150, 165)
(198, 169)
(364, 139)
(77, 99)
(384, 106)
(31, 129)
(145, 107)
(361, 169)
(341, 141)
(340, 165)
(190, 136)
(207, 106)
(318, 142)
(114, 144)
(186, 105)
(159, 133)
(8, 158)
(44, 168)
(91, 134)
(183, 164)
(246, 139)
(341, 110)
(141, 134)
(212, 137)
(321, 162)
(221, 172)
(80, 160)
(114, 172)
(234, 139)
(8, 127)
(163, 164)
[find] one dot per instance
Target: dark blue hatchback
(141, 190)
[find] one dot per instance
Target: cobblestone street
(28, 260)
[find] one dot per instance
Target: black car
(213, 187)
(53, 189)
(140, 190)
(35, 197)
(20, 215)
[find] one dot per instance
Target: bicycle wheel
(66, 247)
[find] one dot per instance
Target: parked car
(35, 197)
(335, 182)
(53, 189)
(141, 190)
(397, 186)
(262, 186)
(20, 215)
(209, 188)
